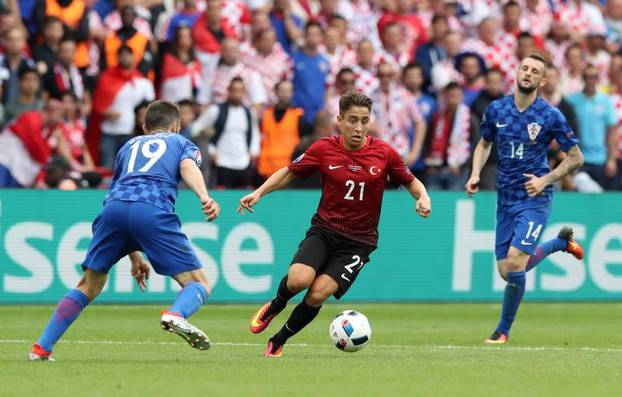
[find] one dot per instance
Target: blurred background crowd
(258, 81)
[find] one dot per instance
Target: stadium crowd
(258, 81)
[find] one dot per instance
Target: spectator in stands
(536, 18)
(597, 122)
(310, 73)
(187, 116)
(582, 16)
(365, 70)
(209, 31)
(119, 89)
(140, 111)
(413, 80)
(269, 60)
(215, 87)
(394, 51)
(493, 90)
(412, 31)
(448, 147)
(343, 83)
(64, 75)
(444, 71)
(24, 148)
(339, 56)
(234, 137)
(572, 72)
(11, 62)
(281, 128)
(286, 25)
(433, 51)
(128, 35)
(557, 42)
(70, 144)
(552, 93)
(397, 116)
(114, 20)
(185, 17)
(487, 44)
(45, 54)
(597, 55)
(29, 97)
(613, 19)
(472, 68)
(510, 25)
(181, 70)
(74, 16)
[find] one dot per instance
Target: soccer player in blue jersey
(523, 125)
(138, 215)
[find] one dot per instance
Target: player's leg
(563, 242)
(309, 258)
(67, 311)
(320, 290)
(170, 253)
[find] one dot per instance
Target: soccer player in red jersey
(344, 231)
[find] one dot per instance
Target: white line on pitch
(380, 346)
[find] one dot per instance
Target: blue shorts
(126, 226)
(520, 226)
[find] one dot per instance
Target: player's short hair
(354, 98)
(538, 57)
(160, 115)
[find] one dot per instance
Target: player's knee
(298, 282)
(513, 266)
(317, 297)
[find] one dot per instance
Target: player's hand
(424, 206)
(248, 202)
(611, 168)
(534, 185)
(210, 208)
(472, 186)
(140, 270)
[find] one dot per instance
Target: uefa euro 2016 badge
(533, 129)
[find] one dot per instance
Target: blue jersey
(147, 169)
(523, 140)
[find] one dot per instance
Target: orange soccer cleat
(38, 354)
(259, 322)
(272, 352)
(573, 247)
(497, 338)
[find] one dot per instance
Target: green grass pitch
(416, 350)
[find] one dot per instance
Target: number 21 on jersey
(151, 149)
(351, 185)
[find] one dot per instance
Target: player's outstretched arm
(419, 192)
(191, 174)
(572, 161)
(277, 181)
(480, 156)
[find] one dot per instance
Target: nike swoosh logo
(525, 243)
(501, 125)
(334, 167)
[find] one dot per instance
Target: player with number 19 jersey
(353, 184)
(138, 213)
(147, 169)
(523, 140)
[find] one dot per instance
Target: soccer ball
(350, 331)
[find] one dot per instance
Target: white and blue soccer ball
(350, 331)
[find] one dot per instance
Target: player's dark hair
(160, 115)
(539, 57)
(354, 98)
(236, 79)
(311, 24)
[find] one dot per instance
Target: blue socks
(189, 299)
(514, 291)
(546, 249)
(67, 310)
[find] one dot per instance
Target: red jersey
(353, 183)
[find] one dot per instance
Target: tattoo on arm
(572, 161)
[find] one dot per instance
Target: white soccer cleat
(178, 325)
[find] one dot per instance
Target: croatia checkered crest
(533, 129)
